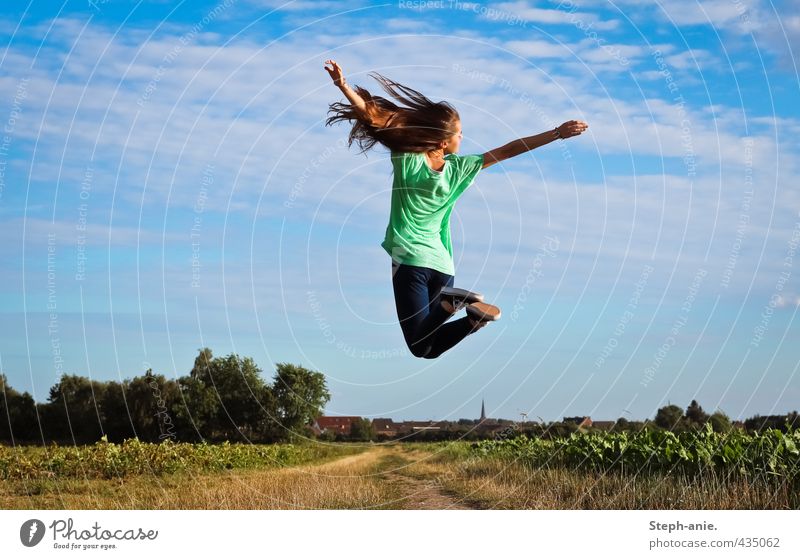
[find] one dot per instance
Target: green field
(645, 470)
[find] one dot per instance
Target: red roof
(332, 420)
(337, 423)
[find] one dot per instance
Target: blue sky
(168, 184)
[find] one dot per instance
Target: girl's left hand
(335, 72)
(572, 128)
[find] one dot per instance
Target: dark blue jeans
(422, 318)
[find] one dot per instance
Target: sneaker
(483, 311)
(453, 299)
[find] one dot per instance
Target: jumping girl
(429, 176)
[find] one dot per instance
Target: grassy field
(456, 475)
(504, 483)
(699, 469)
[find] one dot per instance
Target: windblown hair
(417, 126)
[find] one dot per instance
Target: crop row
(770, 453)
(133, 457)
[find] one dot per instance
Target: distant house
(383, 426)
(340, 425)
(580, 421)
(416, 426)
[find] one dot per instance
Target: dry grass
(411, 490)
(403, 476)
(346, 483)
(499, 484)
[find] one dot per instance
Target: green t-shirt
(418, 233)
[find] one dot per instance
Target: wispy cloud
(291, 210)
(565, 13)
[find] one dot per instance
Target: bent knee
(422, 351)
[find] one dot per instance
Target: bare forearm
(354, 98)
(517, 147)
(337, 75)
(512, 149)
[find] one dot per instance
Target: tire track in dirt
(417, 492)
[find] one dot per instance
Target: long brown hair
(418, 126)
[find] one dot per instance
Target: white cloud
(630, 200)
(566, 16)
(305, 5)
(787, 301)
(692, 59)
(36, 231)
(719, 13)
(767, 25)
(214, 100)
(541, 49)
(407, 24)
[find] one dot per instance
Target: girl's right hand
(572, 128)
(335, 72)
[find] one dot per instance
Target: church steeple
(483, 411)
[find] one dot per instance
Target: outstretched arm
(517, 147)
(336, 74)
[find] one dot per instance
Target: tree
(18, 421)
(141, 407)
(361, 430)
(201, 364)
(759, 423)
(695, 415)
(300, 396)
(327, 435)
(151, 399)
(720, 422)
(669, 417)
(73, 412)
(195, 410)
(117, 422)
(640, 426)
(226, 398)
(244, 397)
(621, 425)
(220, 398)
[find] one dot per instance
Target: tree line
(673, 418)
(225, 398)
(222, 398)
(669, 418)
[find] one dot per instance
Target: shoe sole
(461, 295)
(484, 312)
(453, 299)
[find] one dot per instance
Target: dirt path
(423, 494)
(416, 490)
(409, 488)
(381, 477)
